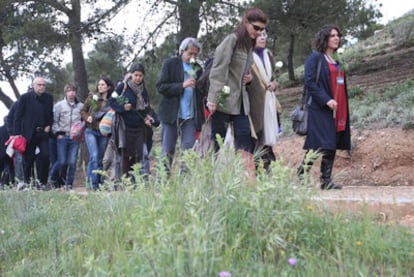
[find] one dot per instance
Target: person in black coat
(327, 103)
(33, 119)
(181, 108)
(6, 162)
(131, 102)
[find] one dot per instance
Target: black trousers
(39, 140)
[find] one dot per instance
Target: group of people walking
(241, 94)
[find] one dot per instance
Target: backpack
(203, 83)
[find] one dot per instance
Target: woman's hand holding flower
(212, 107)
(127, 106)
(272, 85)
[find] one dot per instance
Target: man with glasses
(33, 120)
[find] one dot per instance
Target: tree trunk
(79, 67)
(189, 18)
(291, 70)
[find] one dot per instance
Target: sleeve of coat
(56, 117)
(318, 91)
(168, 83)
(219, 73)
(19, 113)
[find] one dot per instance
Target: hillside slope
(379, 156)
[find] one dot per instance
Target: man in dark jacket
(181, 107)
(33, 119)
(6, 162)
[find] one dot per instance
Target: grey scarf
(138, 90)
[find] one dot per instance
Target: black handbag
(299, 115)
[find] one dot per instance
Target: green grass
(196, 224)
(393, 107)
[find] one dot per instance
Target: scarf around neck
(138, 90)
(264, 65)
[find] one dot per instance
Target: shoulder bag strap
(318, 73)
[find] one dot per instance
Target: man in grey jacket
(66, 113)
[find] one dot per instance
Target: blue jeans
(241, 127)
(67, 155)
(187, 131)
(96, 144)
(18, 166)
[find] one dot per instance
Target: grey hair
(187, 42)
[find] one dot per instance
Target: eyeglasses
(258, 28)
(41, 85)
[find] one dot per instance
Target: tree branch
(143, 47)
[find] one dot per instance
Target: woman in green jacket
(228, 101)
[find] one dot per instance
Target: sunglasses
(258, 28)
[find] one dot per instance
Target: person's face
(333, 40)
(39, 86)
(102, 86)
(190, 53)
(261, 40)
(71, 95)
(255, 29)
(137, 77)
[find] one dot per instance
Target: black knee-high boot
(328, 158)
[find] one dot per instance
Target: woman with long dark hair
(327, 103)
(229, 75)
(94, 108)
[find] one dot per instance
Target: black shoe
(330, 185)
(69, 188)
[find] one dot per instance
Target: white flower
(226, 90)
(279, 64)
(3, 232)
(340, 51)
(95, 97)
(114, 94)
(192, 61)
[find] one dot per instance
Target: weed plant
(197, 223)
(394, 107)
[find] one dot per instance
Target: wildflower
(194, 68)
(358, 243)
(310, 208)
(94, 102)
(120, 99)
(292, 261)
(276, 74)
(223, 94)
(340, 51)
(279, 64)
(338, 56)
(3, 232)
(224, 274)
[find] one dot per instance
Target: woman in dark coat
(131, 101)
(327, 102)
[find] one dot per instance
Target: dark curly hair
(109, 83)
(321, 38)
